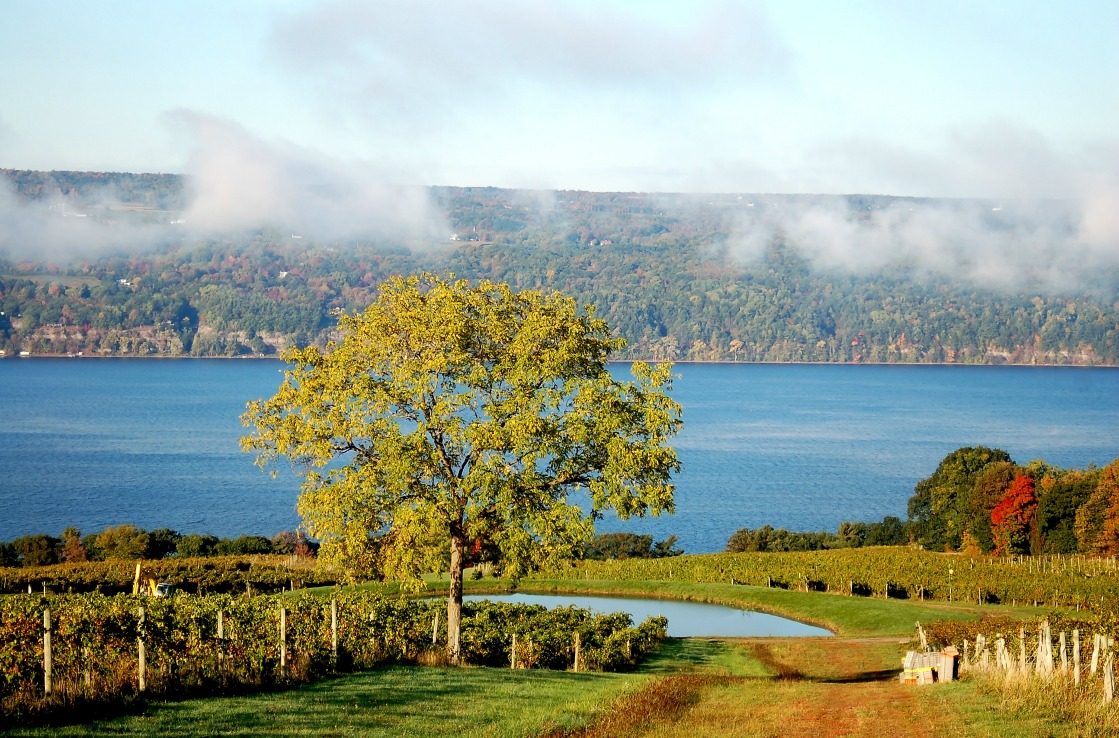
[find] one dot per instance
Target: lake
(96, 442)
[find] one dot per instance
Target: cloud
(235, 182)
(1043, 245)
(56, 229)
(389, 60)
(1049, 220)
(239, 182)
(996, 159)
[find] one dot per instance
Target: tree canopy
(941, 504)
(452, 419)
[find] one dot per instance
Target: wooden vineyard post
(435, 628)
(1064, 654)
(1076, 656)
(577, 644)
(283, 640)
(87, 659)
(334, 634)
(221, 640)
(142, 666)
(47, 666)
(513, 653)
(1045, 651)
(1109, 677)
(1095, 655)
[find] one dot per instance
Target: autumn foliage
(1013, 517)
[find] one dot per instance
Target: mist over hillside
(229, 264)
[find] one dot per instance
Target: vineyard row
(1078, 582)
(68, 649)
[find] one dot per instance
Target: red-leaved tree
(1013, 516)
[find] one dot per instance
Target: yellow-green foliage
(263, 573)
(453, 414)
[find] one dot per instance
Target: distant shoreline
(612, 361)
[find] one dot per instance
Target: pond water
(685, 619)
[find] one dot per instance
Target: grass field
(698, 687)
(748, 687)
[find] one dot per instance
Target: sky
(949, 98)
(332, 118)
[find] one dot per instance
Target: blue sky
(945, 98)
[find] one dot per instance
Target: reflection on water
(685, 619)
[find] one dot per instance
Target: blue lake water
(101, 442)
(685, 619)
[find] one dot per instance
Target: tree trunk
(454, 602)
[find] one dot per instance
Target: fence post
(1064, 654)
(1109, 677)
(283, 639)
(87, 661)
(142, 666)
(1076, 656)
(221, 639)
(1095, 654)
(513, 659)
(47, 666)
(435, 628)
(334, 634)
(577, 644)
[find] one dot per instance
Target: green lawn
(394, 701)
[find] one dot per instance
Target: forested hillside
(670, 273)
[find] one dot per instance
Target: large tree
(452, 417)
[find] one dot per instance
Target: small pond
(685, 619)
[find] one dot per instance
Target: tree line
(127, 541)
(660, 270)
(979, 501)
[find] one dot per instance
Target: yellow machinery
(151, 587)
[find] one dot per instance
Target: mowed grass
(394, 701)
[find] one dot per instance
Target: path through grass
(819, 688)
